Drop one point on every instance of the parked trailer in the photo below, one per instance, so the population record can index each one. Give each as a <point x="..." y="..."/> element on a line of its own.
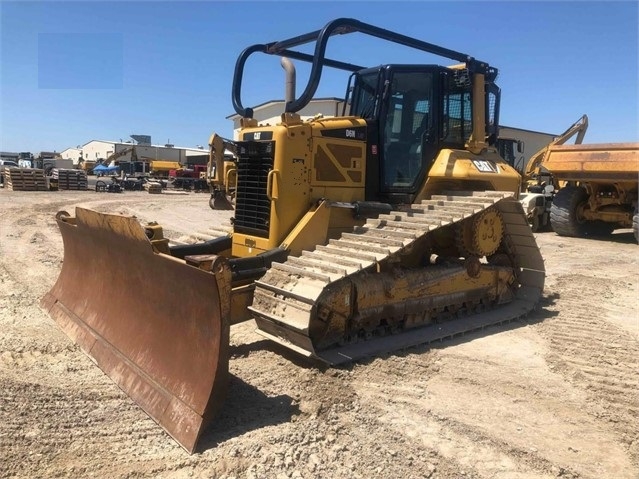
<point x="600" y="194"/>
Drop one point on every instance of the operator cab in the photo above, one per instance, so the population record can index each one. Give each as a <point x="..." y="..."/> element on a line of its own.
<point x="413" y="111"/>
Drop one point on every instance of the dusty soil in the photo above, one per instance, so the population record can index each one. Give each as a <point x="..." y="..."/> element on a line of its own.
<point x="553" y="396"/>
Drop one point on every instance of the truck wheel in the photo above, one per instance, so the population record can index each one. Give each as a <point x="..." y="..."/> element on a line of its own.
<point x="535" y="223"/>
<point x="635" y="226"/>
<point x="546" y="221"/>
<point x="564" y="215"/>
<point x="563" y="212"/>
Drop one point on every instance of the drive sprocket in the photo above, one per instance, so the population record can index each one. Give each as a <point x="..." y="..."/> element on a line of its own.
<point x="481" y="235"/>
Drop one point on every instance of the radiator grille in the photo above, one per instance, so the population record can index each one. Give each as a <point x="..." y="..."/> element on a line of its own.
<point x="252" y="206"/>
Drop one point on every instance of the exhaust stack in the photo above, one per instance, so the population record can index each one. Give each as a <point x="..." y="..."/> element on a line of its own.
<point x="289" y="68"/>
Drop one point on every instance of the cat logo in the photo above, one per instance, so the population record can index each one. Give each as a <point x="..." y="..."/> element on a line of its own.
<point x="485" y="166"/>
<point x="256" y="135"/>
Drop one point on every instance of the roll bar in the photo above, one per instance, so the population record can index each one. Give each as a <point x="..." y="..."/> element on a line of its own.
<point x="318" y="60"/>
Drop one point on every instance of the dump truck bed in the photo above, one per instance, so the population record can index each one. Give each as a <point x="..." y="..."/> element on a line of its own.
<point x="601" y="162"/>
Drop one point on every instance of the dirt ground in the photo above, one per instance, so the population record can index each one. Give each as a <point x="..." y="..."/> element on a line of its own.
<point x="554" y="396"/>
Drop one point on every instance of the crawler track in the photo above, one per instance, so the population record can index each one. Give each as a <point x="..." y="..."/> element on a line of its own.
<point x="291" y="300"/>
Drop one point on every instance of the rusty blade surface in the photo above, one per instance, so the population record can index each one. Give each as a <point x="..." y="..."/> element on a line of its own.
<point x="157" y="327"/>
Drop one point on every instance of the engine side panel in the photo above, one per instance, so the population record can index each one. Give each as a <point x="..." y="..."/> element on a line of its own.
<point x="284" y="171"/>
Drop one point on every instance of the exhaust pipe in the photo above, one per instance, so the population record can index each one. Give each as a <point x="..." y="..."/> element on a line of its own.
<point x="289" y="68"/>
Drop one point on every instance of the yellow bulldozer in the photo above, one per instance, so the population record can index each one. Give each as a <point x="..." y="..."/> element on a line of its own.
<point x="394" y="224"/>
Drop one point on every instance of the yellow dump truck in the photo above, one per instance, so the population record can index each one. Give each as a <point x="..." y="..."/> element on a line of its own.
<point x="600" y="192"/>
<point x="539" y="188"/>
<point x="164" y="167"/>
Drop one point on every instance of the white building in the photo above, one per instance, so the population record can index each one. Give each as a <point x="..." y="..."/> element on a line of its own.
<point x="95" y="150"/>
<point x="72" y="154"/>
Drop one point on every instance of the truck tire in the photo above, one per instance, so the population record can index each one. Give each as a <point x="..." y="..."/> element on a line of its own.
<point x="535" y="223"/>
<point x="635" y="226"/>
<point x="545" y="224"/>
<point x="565" y="220"/>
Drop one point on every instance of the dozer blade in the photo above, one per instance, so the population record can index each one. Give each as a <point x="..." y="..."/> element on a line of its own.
<point x="155" y="325"/>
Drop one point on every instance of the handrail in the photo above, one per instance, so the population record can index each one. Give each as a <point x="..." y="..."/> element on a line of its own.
<point x="339" y="26"/>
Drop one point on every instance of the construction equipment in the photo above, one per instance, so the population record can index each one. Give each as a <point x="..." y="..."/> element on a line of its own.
<point x="48" y="160"/>
<point x="87" y="165"/>
<point x="395" y="225"/>
<point x="539" y="186"/>
<point x="582" y="189"/>
<point x="163" y="168"/>
<point x="600" y="192"/>
<point x="25" y="159"/>
<point x="221" y="172"/>
<point x="190" y="178"/>
<point x="115" y="157"/>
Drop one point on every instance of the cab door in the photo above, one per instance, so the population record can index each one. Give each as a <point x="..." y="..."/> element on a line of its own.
<point x="408" y="131"/>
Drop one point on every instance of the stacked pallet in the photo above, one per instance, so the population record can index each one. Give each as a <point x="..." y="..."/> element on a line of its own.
<point x="25" y="179"/>
<point x="68" y="179"/>
<point x="153" y="187"/>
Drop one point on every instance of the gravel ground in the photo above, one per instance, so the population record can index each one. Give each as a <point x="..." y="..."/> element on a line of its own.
<point x="554" y="396"/>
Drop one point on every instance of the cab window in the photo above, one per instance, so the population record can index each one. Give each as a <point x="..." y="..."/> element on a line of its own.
<point x="407" y="125"/>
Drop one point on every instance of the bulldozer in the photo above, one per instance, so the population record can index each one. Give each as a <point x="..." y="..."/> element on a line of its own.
<point x="393" y="225"/>
<point x="221" y="172"/>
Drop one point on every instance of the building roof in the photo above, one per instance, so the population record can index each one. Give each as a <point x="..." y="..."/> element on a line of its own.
<point x="131" y="143"/>
<point x="261" y="106"/>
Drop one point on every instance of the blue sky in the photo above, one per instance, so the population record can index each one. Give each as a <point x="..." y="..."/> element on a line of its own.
<point x="75" y="71"/>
